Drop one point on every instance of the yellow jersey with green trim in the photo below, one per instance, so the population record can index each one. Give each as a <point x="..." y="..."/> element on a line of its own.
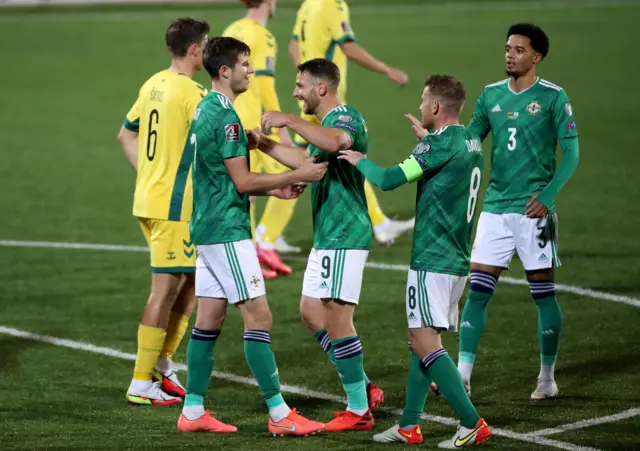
<point x="321" y="27"/>
<point x="161" y="116"/>
<point x="263" y="47"/>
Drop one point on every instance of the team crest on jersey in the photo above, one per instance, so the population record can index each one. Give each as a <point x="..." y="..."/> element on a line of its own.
<point x="568" y="109"/>
<point x="421" y="148"/>
<point x="232" y="132"/>
<point x="255" y="281"/>
<point x="533" y="108"/>
<point x="345" y="118"/>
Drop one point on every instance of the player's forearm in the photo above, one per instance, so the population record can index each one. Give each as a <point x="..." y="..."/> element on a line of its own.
<point x="330" y="140"/>
<point x="360" y="56"/>
<point x="294" y="53"/>
<point x="129" y="143"/>
<point x="566" y="168"/>
<point x="257" y="184"/>
<point x="291" y="156"/>
<point x="383" y="178"/>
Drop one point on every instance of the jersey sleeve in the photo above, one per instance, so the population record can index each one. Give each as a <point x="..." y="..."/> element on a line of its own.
<point x="353" y="126"/>
<point x="429" y="156"/>
<point x="265" y="58"/>
<point x="339" y="25"/>
<point x="132" y="119"/>
<point x="230" y="135"/>
<point x="480" y="125"/>
<point x="297" y="28"/>
<point x="563" y="119"/>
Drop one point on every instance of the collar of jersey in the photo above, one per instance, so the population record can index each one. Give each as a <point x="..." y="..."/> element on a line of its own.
<point x="218" y="92"/>
<point x="441" y="129"/>
<point x="525" y="90"/>
<point x="344" y="104"/>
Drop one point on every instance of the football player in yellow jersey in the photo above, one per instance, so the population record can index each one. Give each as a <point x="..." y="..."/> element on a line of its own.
<point x="260" y="97"/>
<point x="153" y="138"/>
<point x="323" y="30"/>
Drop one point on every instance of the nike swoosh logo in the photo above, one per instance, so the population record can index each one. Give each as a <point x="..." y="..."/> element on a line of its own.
<point x="404" y="434"/>
<point x="459" y="443"/>
<point x="291" y="429"/>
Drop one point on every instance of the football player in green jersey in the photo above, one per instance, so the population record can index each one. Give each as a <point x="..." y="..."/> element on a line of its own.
<point x="227" y="268"/>
<point x="528" y="117"/>
<point x="448" y="166"/>
<point x="342" y="233"/>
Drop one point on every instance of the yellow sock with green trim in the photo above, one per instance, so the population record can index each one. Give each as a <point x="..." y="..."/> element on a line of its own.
<point x="150" y="343"/>
<point x="176" y="329"/>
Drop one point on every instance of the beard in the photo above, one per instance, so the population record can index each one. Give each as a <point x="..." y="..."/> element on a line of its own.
<point x="309" y="106"/>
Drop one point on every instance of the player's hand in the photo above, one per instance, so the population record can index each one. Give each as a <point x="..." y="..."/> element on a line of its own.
<point x="398" y="76"/>
<point x="310" y="171"/>
<point x="253" y="137"/>
<point x="271" y="119"/>
<point x="536" y="209"/>
<point x="292" y="191"/>
<point x="351" y="156"/>
<point x="417" y="127"/>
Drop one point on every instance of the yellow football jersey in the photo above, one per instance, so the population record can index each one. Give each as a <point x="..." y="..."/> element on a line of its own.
<point x="162" y="116"/>
<point x="321" y="26"/>
<point x="250" y="104"/>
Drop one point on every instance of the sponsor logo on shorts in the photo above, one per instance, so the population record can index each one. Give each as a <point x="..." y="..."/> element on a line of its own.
<point x="543" y="258"/>
<point x="412" y="315"/>
<point x="323" y="285"/>
<point x="171" y="255"/>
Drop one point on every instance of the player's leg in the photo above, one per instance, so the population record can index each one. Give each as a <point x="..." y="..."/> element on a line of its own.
<point x="180" y="312"/>
<point x="317" y="285"/>
<point x="538" y="250"/>
<point x="385" y="230"/>
<point x="492" y="251"/>
<point x="167" y="272"/>
<point x="244" y="287"/>
<point x="212" y="310"/>
<point x="435" y="302"/>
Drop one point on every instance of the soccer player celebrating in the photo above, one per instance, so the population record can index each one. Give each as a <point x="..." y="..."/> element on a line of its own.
<point x="322" y="30"/>
<point x="153" y="138"/>
<point x="448" y="164"/>
<point x="527" y="117"/>
<point x="342" y="232"/>
<point x="227" y="268"/>
<point x="260" y="97"/>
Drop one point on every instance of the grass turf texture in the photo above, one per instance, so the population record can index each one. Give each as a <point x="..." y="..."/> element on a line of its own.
<point x="72" y="74"/>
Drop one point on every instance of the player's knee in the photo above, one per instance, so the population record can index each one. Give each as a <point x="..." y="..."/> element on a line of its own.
<point x="482" y="282"/>
<point x="312" y="315"/>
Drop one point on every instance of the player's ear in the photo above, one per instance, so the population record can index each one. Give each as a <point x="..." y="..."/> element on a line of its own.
<point x="193" y="49"/>
<point x="322" y="88"/>
<point x="537" y="58"/>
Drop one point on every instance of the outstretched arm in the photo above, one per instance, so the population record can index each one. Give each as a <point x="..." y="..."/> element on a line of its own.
<point x="330" y="140"/>
<point x="291" y="156"/>
<point x="384" y="178"/>
<point x="357" y="54"/>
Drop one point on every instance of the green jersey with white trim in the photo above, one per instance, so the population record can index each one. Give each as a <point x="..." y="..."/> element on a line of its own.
<point x="220" y="212"/>
<point x="526" y="127"/>
<point x="451" y="164"/>
<point x="339" y="205"/>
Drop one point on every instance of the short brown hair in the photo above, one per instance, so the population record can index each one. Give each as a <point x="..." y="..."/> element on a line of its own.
<point x="323" y="69"/>
<point x="183" y="33"/>
<point x="448" y="90"/>
<point x="222" y="51"/>
<point x="253" y="3"/>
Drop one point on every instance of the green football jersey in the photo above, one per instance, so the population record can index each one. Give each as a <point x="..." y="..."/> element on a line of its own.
<point x="220" y="212"/>
<point x="451" y="161"/>
<point x="339" y="205"/>
<point x="526" y="127"/>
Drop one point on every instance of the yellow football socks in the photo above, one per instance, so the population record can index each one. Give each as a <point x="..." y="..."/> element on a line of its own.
<point x="276" y="216"/>
<point x="375" y="213"/>
<point x="176" y="329"/>
<point x="150" y="343"/>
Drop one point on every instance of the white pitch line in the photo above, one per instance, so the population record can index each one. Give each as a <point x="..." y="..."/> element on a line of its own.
<point x="581" y="291"/>
<point x="587" y="423"/>
<point x="109" y="352"/>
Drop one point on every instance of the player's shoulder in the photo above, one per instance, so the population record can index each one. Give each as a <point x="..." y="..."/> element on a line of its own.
<point x="496" y="86"/>
<point x="551" y="89"/>
<point x="347" y="115"/>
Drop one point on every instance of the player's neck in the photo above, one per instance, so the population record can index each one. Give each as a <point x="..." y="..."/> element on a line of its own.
<point x="181" y="66"/>
<point x="219" y="87"/>
<point x="519" y="84"/>
<point x="445" y="121"/>
<point x="328" y="105"/>
<point x="259" y="15"/>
